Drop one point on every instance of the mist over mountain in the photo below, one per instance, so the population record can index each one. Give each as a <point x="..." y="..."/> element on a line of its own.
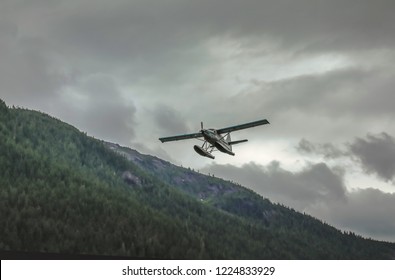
<point x="62" y="191"/>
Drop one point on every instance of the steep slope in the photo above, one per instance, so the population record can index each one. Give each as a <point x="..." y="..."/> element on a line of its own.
<point x="234" y="199"/>
<point x="64" y="192"/>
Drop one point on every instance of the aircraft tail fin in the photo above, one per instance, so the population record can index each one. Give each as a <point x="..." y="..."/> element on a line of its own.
<point x="228" y="140"/>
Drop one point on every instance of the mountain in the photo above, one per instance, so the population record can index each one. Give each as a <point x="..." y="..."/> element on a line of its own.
<point x="62" y="191"/>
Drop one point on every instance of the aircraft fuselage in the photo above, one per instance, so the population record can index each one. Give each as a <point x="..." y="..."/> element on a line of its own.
<point x="215" y="139"/>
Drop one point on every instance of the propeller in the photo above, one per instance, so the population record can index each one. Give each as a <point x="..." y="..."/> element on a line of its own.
<point x="201" y="125"/>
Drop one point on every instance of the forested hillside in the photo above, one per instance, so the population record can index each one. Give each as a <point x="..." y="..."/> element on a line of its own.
<point x="64" y="192"/>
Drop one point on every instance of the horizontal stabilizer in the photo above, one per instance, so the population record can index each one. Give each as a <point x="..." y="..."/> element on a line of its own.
<point x="237" y="142"/>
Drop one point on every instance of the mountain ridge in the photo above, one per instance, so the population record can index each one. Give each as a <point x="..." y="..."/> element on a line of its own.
<point x="66" y="192"/>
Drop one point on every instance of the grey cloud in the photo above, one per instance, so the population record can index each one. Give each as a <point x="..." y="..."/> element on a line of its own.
<point x="301" y="190"/>
<point x="330" y="105"/>
<point x="369" y="212"/>
<point x="327" y="150"/>
<point x="142" y="41"/>
<point x="376" y="154"/>
<point x="337" y="93"/>
<point x="324" y="24"/>
<point x="306" y="24"/>
<point x="306" y="147"/>
<point x="27" y="73"/>
<point x="154" y="40"/>
<point x="319" y="191"/>
<point x="101" y="110"/>
<point x="155" y="47"/>
<point x="155" y="31"/>
<point x="169" y="120"/>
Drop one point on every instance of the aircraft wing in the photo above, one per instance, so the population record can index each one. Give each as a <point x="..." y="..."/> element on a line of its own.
<point x="242" y="126"/>
<point x="181" y="137"/>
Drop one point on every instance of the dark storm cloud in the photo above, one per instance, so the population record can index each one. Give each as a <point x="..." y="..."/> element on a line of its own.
<point x="157" y="42"/>
<point x="27" y="75"/>
<point x="320" y="191"/>
<point x="101" y="110"/>
<point x="375" y="208"/>
<point x="304" y="25"/>
<point x="376" y="154"/>
<point x="153" y="47"/>
<point x="143" y="39"/>
<point x="337" y="93"/>
<point x="314" y="184"/>
<point x="328" y="150"/>
<point x="330" y="105"/>
<point x="169" y="120"/>
<point x="368" y="212"/>
<point x="323" y="24"/>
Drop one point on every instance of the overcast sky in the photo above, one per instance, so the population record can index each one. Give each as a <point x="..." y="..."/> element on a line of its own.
<point x="131" y="71"/>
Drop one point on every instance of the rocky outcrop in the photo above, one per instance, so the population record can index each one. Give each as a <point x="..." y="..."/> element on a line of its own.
<point x="130" y="179"/>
